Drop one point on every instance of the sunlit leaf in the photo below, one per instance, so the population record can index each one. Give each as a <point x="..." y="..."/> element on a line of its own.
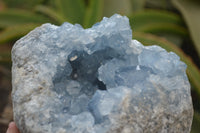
<point x="15" y="32"/>
<point x="51" y="13"/>
<point x="111" y="7"/>
<point x="190" y="10"/>
<point x="93" y="13"/>
<point x="163" y="28"/>
<point x="137" y="5"/>
<point x="72" y="10"/>
<point x="22" y="3"/>
<point x="139" y="19"/>
<point x="192" y="70"/>
<point x="159" y="4"/>
<point x="14" y="17"/>
<point x="159" y="22"/>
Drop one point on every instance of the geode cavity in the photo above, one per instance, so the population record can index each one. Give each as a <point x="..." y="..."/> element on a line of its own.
<point x="67" y="79"/>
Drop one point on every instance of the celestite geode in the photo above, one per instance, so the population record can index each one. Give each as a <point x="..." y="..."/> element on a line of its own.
<point x="67" y="79"/>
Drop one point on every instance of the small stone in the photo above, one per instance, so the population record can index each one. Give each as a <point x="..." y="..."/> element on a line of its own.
<point x="67" y="79"/>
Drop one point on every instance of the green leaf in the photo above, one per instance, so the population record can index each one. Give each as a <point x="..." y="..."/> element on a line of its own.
<point x="22" y="3"/>
<point x="51" y="13"/>
<point x="170" y="28"/>
<point x="159" y="4"/>
<point x="196" y="123"/>
<point x="12" y="17"/>
<point x="139" y="19"/>
<point x="72" y="10"/>
<point x="111" y="7"/>
<point x="14" y="32"/>
<point x="137" y="5"/>
<point x="190" y="10"/>
<point x="192" y="70"/>
<point x="93" y="13"/>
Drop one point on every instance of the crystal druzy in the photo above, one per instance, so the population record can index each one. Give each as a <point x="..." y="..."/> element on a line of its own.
<point x="67" y="79"/>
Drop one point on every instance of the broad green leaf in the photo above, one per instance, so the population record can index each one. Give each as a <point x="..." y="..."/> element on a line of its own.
<point x="196" y="123"/>
<point x="14" y="32"/>
<point x="93" y="12"/>
<point x="111" y="7"/>
<point x="139" y="19"/>
<point x="72" y="10"/>
<point x="12" y="17"/>
<point x="22" y="3"/>
<point x="159" y="4"/>
<point x="192" y="70"/>
<point x="190" y="10"/>
<point x="163" y="28"/>
<point x="137" y="5"/>
<point x="51" y="13"/>
<point x="174" y="38"/>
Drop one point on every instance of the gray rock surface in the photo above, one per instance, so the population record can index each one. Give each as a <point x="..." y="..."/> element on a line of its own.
<point x="67" y="79"/>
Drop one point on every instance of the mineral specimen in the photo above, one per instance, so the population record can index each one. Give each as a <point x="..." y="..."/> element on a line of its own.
<point x="72" y="80"/>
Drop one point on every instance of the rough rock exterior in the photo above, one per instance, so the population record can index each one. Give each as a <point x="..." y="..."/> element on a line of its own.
<point x="72" y="80"/>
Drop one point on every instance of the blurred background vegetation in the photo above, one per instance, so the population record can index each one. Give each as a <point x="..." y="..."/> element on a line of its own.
<point x="171" y="24"/>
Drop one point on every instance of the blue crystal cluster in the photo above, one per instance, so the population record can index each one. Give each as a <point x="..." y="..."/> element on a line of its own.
<point x="72" y="80"/>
